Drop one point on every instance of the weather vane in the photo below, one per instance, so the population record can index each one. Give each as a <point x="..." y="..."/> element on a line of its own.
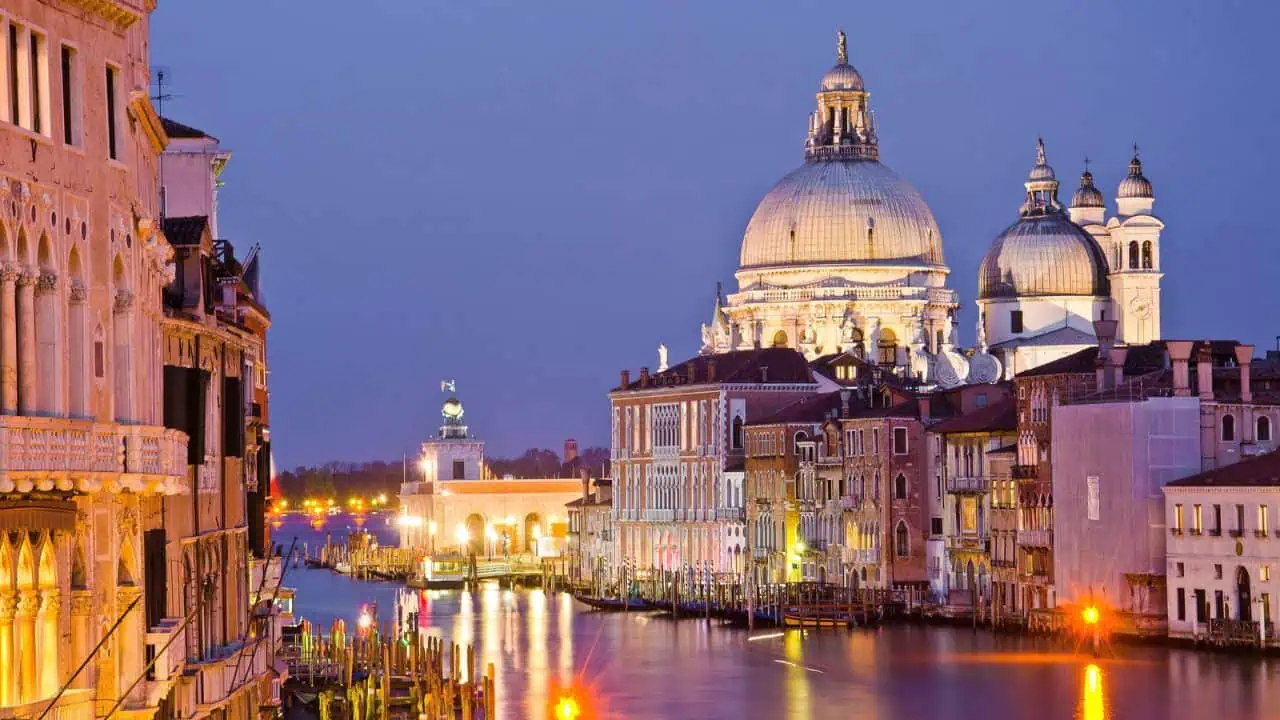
<point x="450" y="385"/>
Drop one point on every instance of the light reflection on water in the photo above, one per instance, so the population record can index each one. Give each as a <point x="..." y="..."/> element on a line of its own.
<point x="647" y="667"/>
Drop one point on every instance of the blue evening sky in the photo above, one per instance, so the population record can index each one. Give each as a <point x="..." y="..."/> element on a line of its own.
<point x="529" y="196"/>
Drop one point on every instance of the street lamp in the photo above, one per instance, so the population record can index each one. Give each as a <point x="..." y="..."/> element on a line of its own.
<point x="463" y="537"/>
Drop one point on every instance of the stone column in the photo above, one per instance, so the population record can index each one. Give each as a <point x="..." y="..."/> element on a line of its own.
<point x="8" y="658"/>
<point x="50" y="602"/>
<point x="27" y="342"/>
<point x="81" y="642"/>
<point x="8" y="340"/>
<point x="25" y="622"/>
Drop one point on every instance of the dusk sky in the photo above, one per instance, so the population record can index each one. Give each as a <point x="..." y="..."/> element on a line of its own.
<point x="528" y="197"/>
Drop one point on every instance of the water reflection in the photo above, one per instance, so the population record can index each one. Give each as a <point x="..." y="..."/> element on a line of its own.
<point x="642" y="666"/>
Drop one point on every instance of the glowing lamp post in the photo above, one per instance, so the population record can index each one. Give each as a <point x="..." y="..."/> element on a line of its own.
<point x="567" y="709"/>
<point x="463" y="537"/>
<point x="1091" y="617"/>
<point x="491" y="538"/>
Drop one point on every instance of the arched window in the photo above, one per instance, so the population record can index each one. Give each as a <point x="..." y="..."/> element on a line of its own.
<point x="1133" y="255"/>
<point x="900" y="540"/>
<point x="888" y="348"/>
<point x="900" y="487"/>
<point x="1264" y="429"/>
<point x="1228" y="428"/>
<point x="736" y="439"/>
<point x="875" y="485"/>
<point x="799" y="438"/>
<point x="1147" y="262"/>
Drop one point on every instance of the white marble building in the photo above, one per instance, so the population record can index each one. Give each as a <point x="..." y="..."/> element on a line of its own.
<point x="1223" y="550"/>
<point x="1054" y="271"/>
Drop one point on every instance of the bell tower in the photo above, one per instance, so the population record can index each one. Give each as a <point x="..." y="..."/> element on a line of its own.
<point x="1135" y="272"/>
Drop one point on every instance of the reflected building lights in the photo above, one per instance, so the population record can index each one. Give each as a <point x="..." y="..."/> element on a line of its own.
<point x="797" y="681"/>
<point x="1093" y="703"/>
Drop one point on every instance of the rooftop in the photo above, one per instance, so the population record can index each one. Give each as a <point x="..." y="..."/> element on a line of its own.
<point x="768" y="366"/>
<point x="1002" y="416"/>
<point x="1260" y="471"/>
<point x="175" y="129"/>
<point x="185" y="230"/>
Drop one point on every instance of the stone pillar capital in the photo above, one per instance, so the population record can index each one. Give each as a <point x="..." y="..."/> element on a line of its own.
<point x="27" y="277"/>
<point x="9" y="273"/>
<point x="28" y="603"/>
<point x="124" y="300"/>
<point x="50" y="601"/>
<point x="79" y="291"/>
<point x="81" y="603"/>
<point x="46" y="282"/>
<point x="8" y="607"/>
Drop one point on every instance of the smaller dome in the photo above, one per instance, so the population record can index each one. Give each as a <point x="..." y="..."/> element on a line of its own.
<point x="1043" y="255"/>
<point x="1041" y="171"/>
<point x="842" y="76"/>
<point x="1087" y="196"/>
<point x="452" y="409"/>
<point x="1135" y="185"/>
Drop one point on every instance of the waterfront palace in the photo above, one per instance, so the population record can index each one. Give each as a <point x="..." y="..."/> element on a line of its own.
<point x="134" y="446"/>
<point x="832" y="430"/>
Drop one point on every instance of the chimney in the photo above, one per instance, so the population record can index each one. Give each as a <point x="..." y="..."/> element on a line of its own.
<point x="1204" y="371"/>
<point x="1244" y="358"/>
<point x="586" y="484"/>
<point x="644" y="377"/>
<point x="1118" y="356"/>
<point x="1105" y="330"/>
<point x="693" y="372"/>
<point x="925" y="402"/>
<point x="711" y="370"/>
<point x="1102" y="378"/>
<point x="626" y="379"/>
<point x="844" y="403"/>
<point x="1180" y="356"/>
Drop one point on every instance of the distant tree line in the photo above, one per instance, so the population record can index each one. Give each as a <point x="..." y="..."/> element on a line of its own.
<point x="344" y="480"/>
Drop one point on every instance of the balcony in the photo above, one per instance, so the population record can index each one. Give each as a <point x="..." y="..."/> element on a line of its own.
<point x="761" y="553"/>
<point x="1025" y="472"/>
<point x="73" y="705"/>
<point x="420" y="487"/>
<point x="848" y="502"/>
<point x="170" y="662"/>
<point x="969" y="543"/>
<point x="968" y="484"/>
<point x="40" y="453"/>
<point x="1035" y="538"/>
<point x="731" y="514"/>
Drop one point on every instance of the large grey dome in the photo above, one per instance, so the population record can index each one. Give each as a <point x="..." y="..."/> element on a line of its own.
<point x="847" y="211"/>
<point x="1043" y="255"/>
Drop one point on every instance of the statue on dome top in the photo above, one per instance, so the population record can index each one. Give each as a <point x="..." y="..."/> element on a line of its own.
<point x="842" y="48"/>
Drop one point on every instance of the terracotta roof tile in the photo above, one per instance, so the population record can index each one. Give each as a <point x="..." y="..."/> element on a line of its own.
<point x="1001" y="416"/>
<point x="1260" y="471"/>
<point x="773" y="366"/>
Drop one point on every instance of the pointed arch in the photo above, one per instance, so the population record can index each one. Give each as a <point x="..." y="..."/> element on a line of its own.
<point x="45" y="261"/>
<point x="47" y="569"/>
<point x="49" y="356"/>
<point x="1133" y="254"/>
<point x="6" y="564"/>
<point x="79" y="569"/>
<point x="26" y="569"/>
<point x="77" y="337"/>
<point x="127" y="565"/>
<point x="900" y="487"/>
<point x="121" y="335"/>
<point x="22" y="254"/>
<point x="6" y="252"/>
<point x="901" y="540"/>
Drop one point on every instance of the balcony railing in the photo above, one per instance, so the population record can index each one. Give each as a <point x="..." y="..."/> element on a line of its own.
<point x="170" y="661"/>
<point x="32" y="448"/>
<point x="1025" y="472"/>
<point x="968" y="484"/>
<point x="974" y="543"/>
<point x="1035" y="538"/>
<point x="73" y="705"/>
<point x="761" y="553"/>
<point x="733" y="514"/>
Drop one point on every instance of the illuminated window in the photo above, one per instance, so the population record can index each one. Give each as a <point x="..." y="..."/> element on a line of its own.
<point x="1197" y="519"/>
<point x="1264" y="525"/>
<point x="1264" y="573"/>
<point x="1177" y="517"/>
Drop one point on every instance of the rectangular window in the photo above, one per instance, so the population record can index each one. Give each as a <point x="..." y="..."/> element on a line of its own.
<point x="1218" y="609"/>
<point x="1015" y="321"/>
<point x="459" y="470"/>
<point x="1264" y="573"/>
<point x="1239" y="520"/>
<point x="37" y="54"/>
<point x="99" y="360"/>
<point x="899" y="441"/>
<point x="70" y="135"/>
<point x="12" y="58"/>
<point x="875" y="441"/>
<point x="1180" y="570"/>
<point x="1217" y="520"/>
<point x="113" y="141"/>
<point x="1264" y="524"/>
<point x="1201" y="606"/>
<point x="935" y="525"/>
<point x="1197" y="519"/>
<point x="1182" y="604"/>
<point x="1177" y="517"/>
<point x="1095" y="499"/>
<point x="1217" y="571"/>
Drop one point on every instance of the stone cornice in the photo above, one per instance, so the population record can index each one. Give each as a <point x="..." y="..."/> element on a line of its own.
<point x="117" y="12"/>
<point x="149" y="119"/>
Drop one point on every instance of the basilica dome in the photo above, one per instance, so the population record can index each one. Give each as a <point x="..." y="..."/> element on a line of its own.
<point x="1044" y="252"/>
<point x="842" y="211"/>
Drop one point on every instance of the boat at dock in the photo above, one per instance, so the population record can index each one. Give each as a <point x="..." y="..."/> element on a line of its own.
<point x="614" y="604"/>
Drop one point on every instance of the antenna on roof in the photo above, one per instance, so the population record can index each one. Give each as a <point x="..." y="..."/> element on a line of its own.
<point x="162" y="73"/>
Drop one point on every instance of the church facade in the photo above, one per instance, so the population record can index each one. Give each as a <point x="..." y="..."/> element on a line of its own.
<point x="843" y="255"/>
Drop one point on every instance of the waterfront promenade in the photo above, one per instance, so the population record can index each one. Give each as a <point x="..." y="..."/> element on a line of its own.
<point x="640" y="665"/>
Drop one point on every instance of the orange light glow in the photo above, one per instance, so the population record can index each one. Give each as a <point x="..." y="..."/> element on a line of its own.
<point x="1090" y="615"/>
<point x="567" y="709"/>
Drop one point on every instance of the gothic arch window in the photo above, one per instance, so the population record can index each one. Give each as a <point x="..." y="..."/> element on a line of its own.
<point x="1147" y="260"/>
<point x="1263" y="433"/>
<point x="736" y="439"/>
<point x="900" y="487"/>
<point x="1228" y="428"/>
<point x="900" y="540"/>
<point x="1133" y="255"/>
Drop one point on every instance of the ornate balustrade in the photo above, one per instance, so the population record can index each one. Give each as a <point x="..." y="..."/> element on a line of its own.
<point x="46" y="454"/>
<point x="1035" y="538"/>
<point x="73" y="705"/>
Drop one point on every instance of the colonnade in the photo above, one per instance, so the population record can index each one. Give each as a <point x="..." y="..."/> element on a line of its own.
<point x="30" y="617"/>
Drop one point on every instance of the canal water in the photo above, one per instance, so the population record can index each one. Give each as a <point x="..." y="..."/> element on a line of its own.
<point x="641" y="666"/>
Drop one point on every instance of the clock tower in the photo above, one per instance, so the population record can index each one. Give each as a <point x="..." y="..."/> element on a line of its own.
<point x="1135" y="259"/>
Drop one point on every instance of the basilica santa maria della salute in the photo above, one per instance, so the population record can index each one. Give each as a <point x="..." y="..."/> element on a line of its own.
<point x="843" y="255"/>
